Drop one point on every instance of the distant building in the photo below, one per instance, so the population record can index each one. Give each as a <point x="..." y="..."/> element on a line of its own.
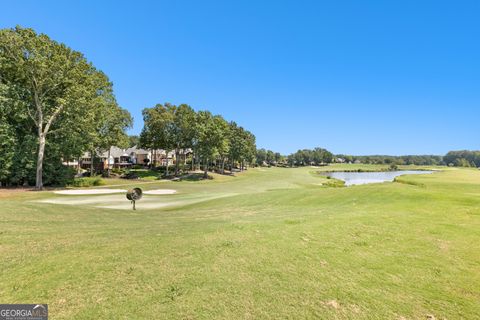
<point x="125" y="158"/>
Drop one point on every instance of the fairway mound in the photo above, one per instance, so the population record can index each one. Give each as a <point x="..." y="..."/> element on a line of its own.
<point x="160" y="191"/>
<point x="90" y="191"/>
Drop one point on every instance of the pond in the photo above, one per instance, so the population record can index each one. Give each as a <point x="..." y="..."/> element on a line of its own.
<point x="356" y="178"/>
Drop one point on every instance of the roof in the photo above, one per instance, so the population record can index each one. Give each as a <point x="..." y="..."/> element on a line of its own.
<point x="116" y="152"/>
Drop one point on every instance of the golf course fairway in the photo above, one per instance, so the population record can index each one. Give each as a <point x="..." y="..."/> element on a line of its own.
<point x="268" y="243"/>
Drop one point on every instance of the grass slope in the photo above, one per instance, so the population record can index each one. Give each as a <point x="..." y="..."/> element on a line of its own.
<point x="280" y="245"/>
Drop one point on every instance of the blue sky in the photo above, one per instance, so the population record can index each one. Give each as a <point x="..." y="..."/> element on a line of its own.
<point x="355" y="77"/>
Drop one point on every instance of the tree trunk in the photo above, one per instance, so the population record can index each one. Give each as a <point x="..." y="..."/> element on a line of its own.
<point x="41" y="152"/>
<point x="154" y="162"/>
<point x="205" y="167"/>
<point x="166" y="164"/>
<point x="223" y="165"/>
<point x="193" y="161"/>
<point x="108" y="163"/>
<point x="91" y="162"/>
<point x="177" y="154"/>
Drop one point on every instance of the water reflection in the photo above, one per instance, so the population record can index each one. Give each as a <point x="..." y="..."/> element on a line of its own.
<point x="356" y="178"/>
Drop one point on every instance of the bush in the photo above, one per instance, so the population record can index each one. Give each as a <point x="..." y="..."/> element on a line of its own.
<point x="393" y="167"/>
<point x="137" y="166"/>
<point x="131" y="175"/>
<point x="117" y="171"/>
<point x="62" y="176"/>
<point x="87" y="182"/>
<point x="335" y="183"/>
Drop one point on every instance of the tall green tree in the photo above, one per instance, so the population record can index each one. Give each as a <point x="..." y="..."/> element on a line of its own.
<point x="224" y="141"/>
<point x="7" y="144"/>
<point x="210" y="136"/>
<point x="58" y="88"/>
<point x="242" y="146"/>
<point x="182" y="131"/>
<point x="133" y="140"/>
<point x="112" y="124"/>
<point x="237" y="143"/>
<point x="157" y="130"/>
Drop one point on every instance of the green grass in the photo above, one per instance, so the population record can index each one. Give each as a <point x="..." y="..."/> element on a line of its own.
<point x="88" y="182"/>
<point x="278" y="245"/>
<point x="146" y="174"/>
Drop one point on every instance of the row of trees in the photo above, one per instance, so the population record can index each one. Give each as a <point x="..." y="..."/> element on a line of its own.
<point x="305" y="157"/>
<point x="398" y="160"/>
<point x="54" y="105"/>
<point x="317" y="156"/>
<point x="211" y="138"/>
<point x="463" y="158"/>
<point x="269" y="157"/>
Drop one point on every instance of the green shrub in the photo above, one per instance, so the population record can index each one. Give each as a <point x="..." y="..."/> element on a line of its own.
<point x="335" y="183"/>
<point x="118" y="171"/>
<point x="87" y="182"/>
<point x="393" y="167"/>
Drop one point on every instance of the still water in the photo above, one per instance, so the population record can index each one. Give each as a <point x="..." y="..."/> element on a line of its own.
<point x="355" y="178"/>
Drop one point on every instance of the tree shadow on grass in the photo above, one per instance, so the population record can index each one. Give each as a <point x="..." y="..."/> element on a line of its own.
<point x="194" y="177"/>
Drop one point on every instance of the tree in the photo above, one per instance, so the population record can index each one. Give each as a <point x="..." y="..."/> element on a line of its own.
<point x="236" y="143"/>
<point x="7" y="146"/>
<point x="242" y="145"/>
<point x="278" y="157"/>
<point x="261" y="156"/>
<point x="223" y="147"/>
<point x="133" y="140"/>
<point x="111" y="130"/>
<point x="248" y="154"/>
<point x="304" y="157"/>
<point x="210" y="137"/>
<point x="54" y="85"/>
<point x="157" y="130"/>
<point x="183" y="130"/>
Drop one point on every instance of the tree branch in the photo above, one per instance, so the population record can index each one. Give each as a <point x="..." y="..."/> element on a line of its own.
<point x="52" y="118"/>
<point x="38" y="104"/>
<point x="55" y="130"/>
<point x="32" y="117"/>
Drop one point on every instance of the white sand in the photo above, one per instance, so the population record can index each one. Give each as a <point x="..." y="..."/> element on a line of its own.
<point x="91" y="191"/>
<point x="119" y="201"/>
<point x="79" y="200"/>
<point x="160" y="191"/>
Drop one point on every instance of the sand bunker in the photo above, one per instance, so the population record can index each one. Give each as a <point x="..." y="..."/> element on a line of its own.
<point x="160" y="191"/>
<point x="90" y="191"/>
<point x="119" y="201"/>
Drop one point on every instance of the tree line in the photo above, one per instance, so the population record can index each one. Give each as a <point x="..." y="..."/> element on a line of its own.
<point x="212" y="140"/>
<point x="420" y="160"/>
<point x="304" y="157"/>
<point x="462" y="158"/>
<point x="319" y="156"/>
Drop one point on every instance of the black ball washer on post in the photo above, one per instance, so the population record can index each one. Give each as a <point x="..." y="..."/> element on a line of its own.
<point x="134" y="195"/>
